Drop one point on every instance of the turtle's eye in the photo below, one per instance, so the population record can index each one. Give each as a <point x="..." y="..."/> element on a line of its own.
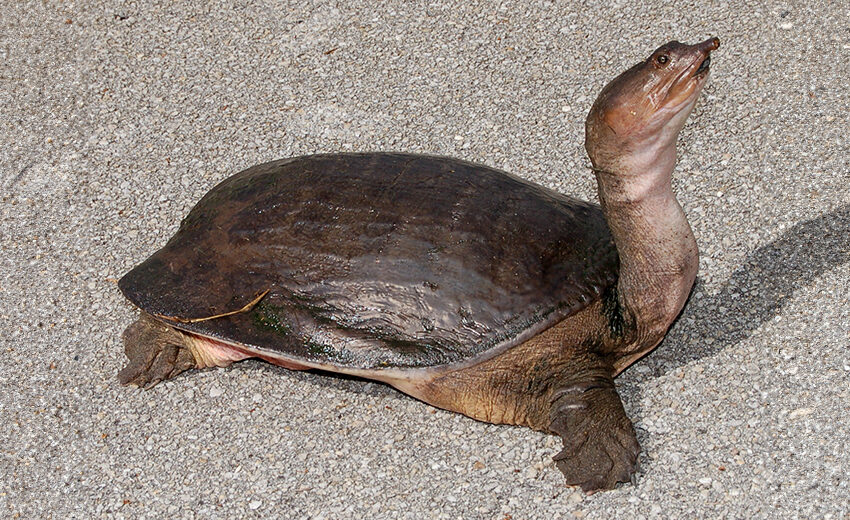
<point x="662" y="59"/>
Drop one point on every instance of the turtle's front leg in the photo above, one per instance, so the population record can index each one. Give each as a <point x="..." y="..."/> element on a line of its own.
<point x="600" y="448"/>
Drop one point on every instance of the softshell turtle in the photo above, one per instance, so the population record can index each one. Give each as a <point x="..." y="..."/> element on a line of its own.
<point x="458" y="284"/>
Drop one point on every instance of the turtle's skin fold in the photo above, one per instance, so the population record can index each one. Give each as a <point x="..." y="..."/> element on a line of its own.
<point x="458" y="284"/>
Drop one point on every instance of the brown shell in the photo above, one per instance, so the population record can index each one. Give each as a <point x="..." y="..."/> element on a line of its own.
<point x="378" y="260"/>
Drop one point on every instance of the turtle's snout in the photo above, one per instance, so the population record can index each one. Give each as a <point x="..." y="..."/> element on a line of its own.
<point x="706" y="47"/>
<point x="710" y="44"/>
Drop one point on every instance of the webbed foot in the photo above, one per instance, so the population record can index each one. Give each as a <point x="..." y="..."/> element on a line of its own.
<point x="156" y="353"/>
<point x="600" y="448"/>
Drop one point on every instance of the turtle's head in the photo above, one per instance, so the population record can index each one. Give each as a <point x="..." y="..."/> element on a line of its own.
<point x="634" y="122"/>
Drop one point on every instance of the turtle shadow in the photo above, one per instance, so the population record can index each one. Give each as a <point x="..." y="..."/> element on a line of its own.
<point x="756" y="291"/>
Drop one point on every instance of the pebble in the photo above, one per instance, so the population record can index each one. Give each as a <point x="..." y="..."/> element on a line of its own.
<point x="800" y="412"/>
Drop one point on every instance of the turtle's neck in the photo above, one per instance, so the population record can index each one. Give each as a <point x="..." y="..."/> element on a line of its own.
<point x="657" y="249"/>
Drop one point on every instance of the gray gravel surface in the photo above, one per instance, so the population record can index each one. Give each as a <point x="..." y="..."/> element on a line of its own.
<point x="117" y="116"/>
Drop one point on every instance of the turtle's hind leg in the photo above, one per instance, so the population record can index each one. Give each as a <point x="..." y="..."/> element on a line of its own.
<point x="158" y="352"/>
<point x="600" y="447"/>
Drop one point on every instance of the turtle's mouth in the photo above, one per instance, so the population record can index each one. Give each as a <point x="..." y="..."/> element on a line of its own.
<point x="706" y="47"/>
<point x="703" y="67"/>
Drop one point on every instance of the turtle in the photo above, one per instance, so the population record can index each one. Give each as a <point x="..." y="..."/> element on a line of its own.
<point x="458" y="284"/>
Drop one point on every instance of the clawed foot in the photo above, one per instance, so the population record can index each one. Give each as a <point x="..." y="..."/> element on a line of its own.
<point x="600" y="448"/>
<point x="156" y="353"/>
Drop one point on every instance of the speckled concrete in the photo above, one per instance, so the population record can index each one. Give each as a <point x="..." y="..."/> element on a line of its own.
<point x="116" y="117"/>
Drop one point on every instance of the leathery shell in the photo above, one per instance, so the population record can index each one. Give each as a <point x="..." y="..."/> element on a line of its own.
<point x="377" y="260"/>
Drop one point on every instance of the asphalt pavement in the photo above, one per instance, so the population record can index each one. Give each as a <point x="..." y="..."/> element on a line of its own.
<point x="116" y="117"/>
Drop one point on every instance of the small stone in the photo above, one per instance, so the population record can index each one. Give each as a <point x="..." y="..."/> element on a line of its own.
<point x="800" y="412"/>
<point x="216" y="392"/>
<point x="255" y="504"/>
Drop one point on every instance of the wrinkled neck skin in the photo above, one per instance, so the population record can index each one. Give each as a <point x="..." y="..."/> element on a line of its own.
<point x="657" y="249"/>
